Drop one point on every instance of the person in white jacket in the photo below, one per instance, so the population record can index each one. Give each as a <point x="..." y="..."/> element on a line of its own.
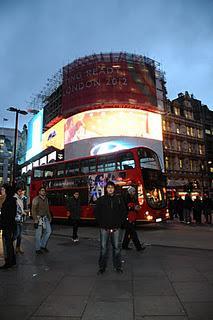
<point x="20" y="217"/>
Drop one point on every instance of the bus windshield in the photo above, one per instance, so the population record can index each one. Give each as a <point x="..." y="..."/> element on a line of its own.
<point x="155" y="188"/>
<point x="148" y="159"/>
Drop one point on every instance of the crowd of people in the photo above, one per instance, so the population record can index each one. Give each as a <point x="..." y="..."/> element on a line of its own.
<point x="115" y="214"/>
<point x="188" y="210"/>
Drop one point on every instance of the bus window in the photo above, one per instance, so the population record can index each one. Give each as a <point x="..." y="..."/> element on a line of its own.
<point x="38" y="173"/>
<point x="72" y="169"/>
<point x="49" y="172"/>
<point x="60" y="171"/>
<point x="106" y="164"/>
<point x="84" y="166"/>
<point x="148" y="159"/>
<point x="92" y="165"/>
<point x="125" y="161"/>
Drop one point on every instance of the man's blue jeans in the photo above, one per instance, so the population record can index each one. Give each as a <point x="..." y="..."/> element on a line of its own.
<point x="107" y="235"/>
<point x="42" y="235"/>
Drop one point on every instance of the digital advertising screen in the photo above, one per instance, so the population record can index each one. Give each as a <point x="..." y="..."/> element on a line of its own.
<point x="113" y="122"/>
<point x="108" y="80"/>
<point x="108" y="130"/>
<point x="34" y="137"/>
<point x="54" y="136"/>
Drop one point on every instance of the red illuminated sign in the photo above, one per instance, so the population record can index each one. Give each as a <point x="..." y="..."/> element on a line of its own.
<point x="101" y="80"/>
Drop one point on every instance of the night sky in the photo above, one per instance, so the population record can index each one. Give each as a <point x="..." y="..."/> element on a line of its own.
<point x="39" y="37"/>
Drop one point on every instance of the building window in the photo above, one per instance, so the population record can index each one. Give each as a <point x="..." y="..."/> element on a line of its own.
<point x="164" y="125"/>
<point x="187" y="131"/>
<point x="200" y="149"/>
<point x="190" y="147"/>
<point x="178" y="145"/>
<point x="192" y="131"/>
<point x="191" y="165"/>
<point x="178" y="128"/>
<point x="181" y="163"/>
<point x="199" y="133"/>
<point x="208" y="131"/>
<point x="167" y="163"/>
<point x="176" y="111"/>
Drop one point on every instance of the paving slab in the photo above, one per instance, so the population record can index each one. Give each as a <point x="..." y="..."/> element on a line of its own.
<point x="163" y="282"/>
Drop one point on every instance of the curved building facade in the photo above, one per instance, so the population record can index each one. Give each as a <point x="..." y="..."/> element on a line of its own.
<point x="112" y="102"/>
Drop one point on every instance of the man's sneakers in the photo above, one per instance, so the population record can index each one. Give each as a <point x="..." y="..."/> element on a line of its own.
<point x="75" y="240"/>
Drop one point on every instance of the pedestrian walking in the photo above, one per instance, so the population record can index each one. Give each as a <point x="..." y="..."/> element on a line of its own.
<point x="187" y="208"/>
<point x="8" y="226"/>
<point x="132" y="207"/>
<point x="207" y="209"/>
<point x="180" y="205"/>
<point x="2" y="195"/>
<point x="42" y="218"/>
<point x="20" y="218"/>
<point x="197" y="209"/>
<point x="110" y="213"/>
<point x="74" y="213"/>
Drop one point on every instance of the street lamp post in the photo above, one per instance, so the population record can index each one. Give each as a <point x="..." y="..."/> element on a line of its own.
<point x="17" y="111"/>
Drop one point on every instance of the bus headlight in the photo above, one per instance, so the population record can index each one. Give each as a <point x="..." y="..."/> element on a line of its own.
<point x="149" y="218"/>
<point x="167" y="213"/>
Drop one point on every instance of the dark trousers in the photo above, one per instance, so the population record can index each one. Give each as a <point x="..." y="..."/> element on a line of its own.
<point x="9" y="254"/>
<point x="105" y="236"/>
<point x="18" y="235"/>
<point x="208" y="215"/>
<point x="75" y="224"/>
<point x="197" y="215"/>
<point x="131" y="234"/>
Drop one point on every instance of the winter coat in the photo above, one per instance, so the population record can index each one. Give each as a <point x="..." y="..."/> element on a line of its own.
<point x="8" y="213"/>
<point x="110" y="211"/>
<point x="74" y="206"/>
<point x="188" y="203"/>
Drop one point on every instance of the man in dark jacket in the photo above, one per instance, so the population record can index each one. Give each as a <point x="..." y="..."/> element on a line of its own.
<point x="74" y="212"/>
<point x="8" y="226"/>
<point x="110" y="213"/>
<point x="187" y="208"/>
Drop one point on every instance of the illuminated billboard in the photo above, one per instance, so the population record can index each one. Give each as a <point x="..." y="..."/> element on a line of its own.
<point x="34" y="137"/>
<point x="109" y="79"/>
<point x="54" y="136"/>
<point x="107" y="130"/>
<point x="113" y="122"/>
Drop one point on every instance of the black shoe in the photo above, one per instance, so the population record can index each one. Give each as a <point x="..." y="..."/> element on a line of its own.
<point x="119" y="270"/>
<point x="6" y="266"/>
<point x="44" y="249"/>
<point x="101" y="271"/>
<point x="126" y="248"/>
<point x="39" y="252"/>
<point x="141" y="248"/>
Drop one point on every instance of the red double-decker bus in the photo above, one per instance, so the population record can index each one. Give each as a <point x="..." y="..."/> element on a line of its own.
<point x="138" y="167"/>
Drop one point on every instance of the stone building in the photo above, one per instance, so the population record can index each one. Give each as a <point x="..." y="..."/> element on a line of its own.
<point x="185" y="144"/>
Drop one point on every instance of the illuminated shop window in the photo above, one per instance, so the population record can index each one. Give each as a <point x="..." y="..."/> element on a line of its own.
<point x="178" y="129"/>
<point x="181" y="163"/>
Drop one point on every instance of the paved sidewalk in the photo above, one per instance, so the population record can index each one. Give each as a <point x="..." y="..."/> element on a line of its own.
<point x="161" y="283"/>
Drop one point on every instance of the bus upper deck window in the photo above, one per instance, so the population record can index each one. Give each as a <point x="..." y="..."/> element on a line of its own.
<point x="125" y="161"/>
<point x="72" y="169"/>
